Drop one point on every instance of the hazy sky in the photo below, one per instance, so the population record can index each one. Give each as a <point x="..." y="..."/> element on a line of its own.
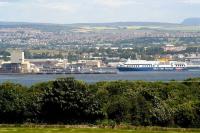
<point x="76" y="11"/>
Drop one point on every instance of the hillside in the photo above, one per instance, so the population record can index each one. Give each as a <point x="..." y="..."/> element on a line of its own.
<point x="191" y="21"/>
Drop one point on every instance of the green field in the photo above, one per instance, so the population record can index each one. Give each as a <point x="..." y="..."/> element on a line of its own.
<point x="89" y="130"/>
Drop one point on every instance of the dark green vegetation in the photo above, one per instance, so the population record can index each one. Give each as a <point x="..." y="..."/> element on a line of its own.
<point x="68" y="101"/>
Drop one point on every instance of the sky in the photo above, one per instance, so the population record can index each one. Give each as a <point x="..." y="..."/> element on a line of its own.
<point x="98" y="11"/>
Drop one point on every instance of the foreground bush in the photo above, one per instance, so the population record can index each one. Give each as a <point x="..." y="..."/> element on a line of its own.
<point x="68" y="101"/>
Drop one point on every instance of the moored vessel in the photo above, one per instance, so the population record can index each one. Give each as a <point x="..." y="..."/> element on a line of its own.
<point x="144" y="65"/>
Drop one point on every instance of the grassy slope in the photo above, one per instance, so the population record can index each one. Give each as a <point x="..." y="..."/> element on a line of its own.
<point x="91" y="130"/>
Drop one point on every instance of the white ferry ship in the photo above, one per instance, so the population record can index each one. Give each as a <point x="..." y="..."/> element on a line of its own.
<point x="144" y="65"/>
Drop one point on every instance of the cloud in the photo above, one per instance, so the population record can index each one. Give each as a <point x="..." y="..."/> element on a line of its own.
<point x="59" y="5"/>
<point x="190" y="1"/>
<point x="3" y="3"/>
<point x="8" y="1"/>
<point x="116" y="3"/>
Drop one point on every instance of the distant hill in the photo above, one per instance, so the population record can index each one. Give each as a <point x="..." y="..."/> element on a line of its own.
<point x="113" y="24"/>
<point x="191" y="21"/>
<point x="26" y="24"/>
<point x="40" y="26"/>
<point x="186" y="25"/>
<point x="68" y="27"/>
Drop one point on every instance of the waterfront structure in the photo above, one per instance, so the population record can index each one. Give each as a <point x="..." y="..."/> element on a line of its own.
<point x="173" y="48"/>
<point x="193" y="59"/>
<point x="11" y="68"/>
<point x="17" y="57"/>
<point x="17" y="64"/>
<point x="91" y="63"/>
<point x="44" y="62"/>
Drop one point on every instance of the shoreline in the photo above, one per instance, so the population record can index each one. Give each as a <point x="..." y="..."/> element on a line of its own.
<point x="98" y="73"/>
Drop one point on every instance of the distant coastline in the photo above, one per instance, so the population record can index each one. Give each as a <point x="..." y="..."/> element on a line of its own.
<point x="57" y="73"/>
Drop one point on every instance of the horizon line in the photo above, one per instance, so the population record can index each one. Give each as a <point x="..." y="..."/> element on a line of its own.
<point x="110" y="22"/>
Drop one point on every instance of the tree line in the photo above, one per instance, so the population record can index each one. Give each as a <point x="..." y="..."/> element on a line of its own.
<point x="70" y="101"/>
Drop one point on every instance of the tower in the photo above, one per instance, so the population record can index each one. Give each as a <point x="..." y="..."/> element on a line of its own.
<point x="17" y="57"/>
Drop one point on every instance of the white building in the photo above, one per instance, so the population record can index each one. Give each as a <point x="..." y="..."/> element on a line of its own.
<point x="17" y="57"/>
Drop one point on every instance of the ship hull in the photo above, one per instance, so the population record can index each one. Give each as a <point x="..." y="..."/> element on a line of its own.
<point x="130" y="69"/>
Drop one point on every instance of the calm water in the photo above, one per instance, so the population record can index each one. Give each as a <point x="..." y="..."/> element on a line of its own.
<point x="91" y="78"/>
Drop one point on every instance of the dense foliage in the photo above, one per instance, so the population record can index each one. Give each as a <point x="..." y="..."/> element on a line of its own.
<point x="68" y="101"/>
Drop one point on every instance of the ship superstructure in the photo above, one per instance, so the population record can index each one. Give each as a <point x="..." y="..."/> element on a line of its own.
<point x="144" y="65"/>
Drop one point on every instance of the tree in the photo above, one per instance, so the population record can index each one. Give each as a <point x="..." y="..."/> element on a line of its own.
<point x="69" y="101"/>
<point x="187" y="115"/>
<point x="148" y="109"/>
<point x="118" y="109"/>
<point x="12" y="103"/>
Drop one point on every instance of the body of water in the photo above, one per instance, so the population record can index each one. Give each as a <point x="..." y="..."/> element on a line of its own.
<point x="91" y="78"/>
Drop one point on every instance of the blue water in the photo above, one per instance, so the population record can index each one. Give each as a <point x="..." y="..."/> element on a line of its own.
<point x="91" y="78"/>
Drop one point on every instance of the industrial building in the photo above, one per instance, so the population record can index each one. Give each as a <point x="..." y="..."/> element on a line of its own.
<point x="17" y="64"/>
